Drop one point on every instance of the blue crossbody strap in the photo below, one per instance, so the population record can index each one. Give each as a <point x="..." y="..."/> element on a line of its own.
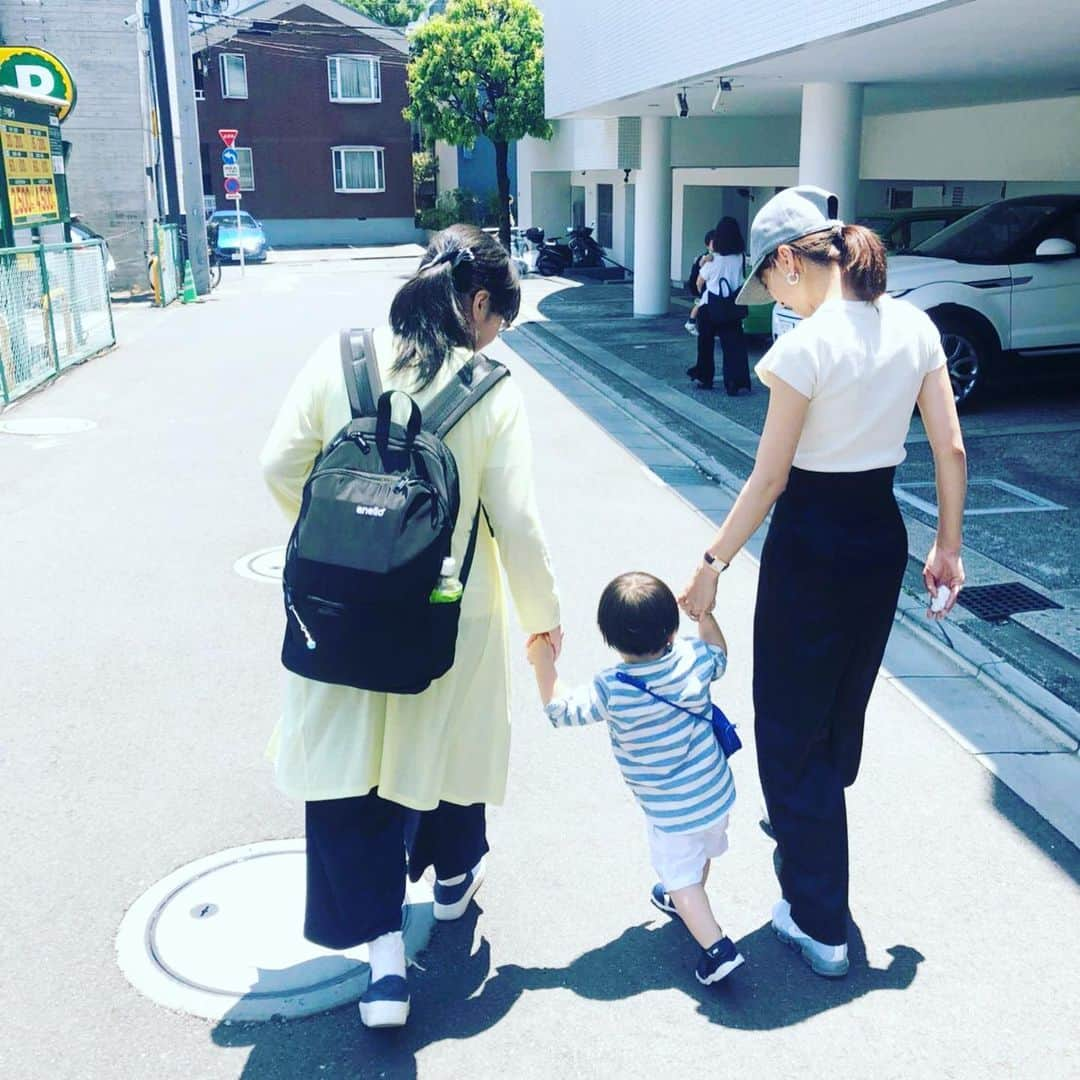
<point x="722" y="726"/>
<point x="639" y="684"/>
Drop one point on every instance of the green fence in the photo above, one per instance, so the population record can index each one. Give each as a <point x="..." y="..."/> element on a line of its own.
<point x="170" y="268"/>
<point x="54" y="311"/>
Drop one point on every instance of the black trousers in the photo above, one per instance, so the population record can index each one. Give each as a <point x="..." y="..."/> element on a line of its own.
<point x="736" y="366"/>
<point x="827" y="591"/>
<point x="358" y="853"/>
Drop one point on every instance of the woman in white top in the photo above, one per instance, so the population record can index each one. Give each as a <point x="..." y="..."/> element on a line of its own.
<point x="719" y="317"/>
<point x="842" y="387"/>
<point x="382" y="775"/>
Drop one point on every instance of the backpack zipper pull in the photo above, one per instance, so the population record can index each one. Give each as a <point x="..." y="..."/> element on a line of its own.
<point x="311" y="643"/>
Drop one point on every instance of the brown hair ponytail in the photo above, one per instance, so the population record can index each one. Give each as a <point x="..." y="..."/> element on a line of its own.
<point x="862" y="261"/>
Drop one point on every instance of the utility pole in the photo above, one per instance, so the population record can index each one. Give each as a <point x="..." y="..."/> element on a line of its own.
<point x="191" y="162"/>
<point x="164" y="108"/>
<point x="170" y="41"/>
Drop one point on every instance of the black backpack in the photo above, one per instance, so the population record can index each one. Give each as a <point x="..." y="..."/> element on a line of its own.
<point x="375" y="523"/>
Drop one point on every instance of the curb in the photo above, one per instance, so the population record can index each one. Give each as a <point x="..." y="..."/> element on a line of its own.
<point x="1056" y="718"/>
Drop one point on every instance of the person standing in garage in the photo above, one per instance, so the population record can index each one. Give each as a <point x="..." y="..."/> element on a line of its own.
<point x="842" y="386"/>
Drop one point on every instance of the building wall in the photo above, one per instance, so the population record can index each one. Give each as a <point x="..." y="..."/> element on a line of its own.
<point x="476" y="168"/>
<point x="734" y="141"/>
<point x="610" y="49"/>
<point x="291" y="125"/>
<point x="106" y="172"/>
<point x="1034" y="141"/>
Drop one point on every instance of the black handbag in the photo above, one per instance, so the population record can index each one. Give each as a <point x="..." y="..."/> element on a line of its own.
<point x="723" y="728"/>
<point x="722" y="306"/>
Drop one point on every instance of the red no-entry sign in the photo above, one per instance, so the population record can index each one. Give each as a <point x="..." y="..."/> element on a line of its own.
<point x="228" y="135"/>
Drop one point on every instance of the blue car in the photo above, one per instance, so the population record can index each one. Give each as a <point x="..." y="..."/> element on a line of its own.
<point x="226" y="239"/>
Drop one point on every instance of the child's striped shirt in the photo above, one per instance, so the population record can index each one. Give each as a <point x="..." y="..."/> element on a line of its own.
<point x="671" y="761"/>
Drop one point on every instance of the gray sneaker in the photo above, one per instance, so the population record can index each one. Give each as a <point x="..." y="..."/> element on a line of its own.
<point x="828" y="960"/>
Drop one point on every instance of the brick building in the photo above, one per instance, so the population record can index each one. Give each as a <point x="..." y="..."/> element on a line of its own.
<point x="316" y="91"/>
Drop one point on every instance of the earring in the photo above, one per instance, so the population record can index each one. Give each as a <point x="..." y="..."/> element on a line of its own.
<point x="792" y="277"/>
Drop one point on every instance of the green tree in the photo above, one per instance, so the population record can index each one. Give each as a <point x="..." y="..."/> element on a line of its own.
<point x="389" y="12"/>
<point x="479" y="70"/>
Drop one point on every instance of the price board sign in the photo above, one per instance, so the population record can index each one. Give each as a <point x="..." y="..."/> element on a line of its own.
<point x="28" y="173"/>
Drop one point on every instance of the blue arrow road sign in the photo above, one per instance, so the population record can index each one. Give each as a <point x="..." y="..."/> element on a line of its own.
<point x="229" y="156"/>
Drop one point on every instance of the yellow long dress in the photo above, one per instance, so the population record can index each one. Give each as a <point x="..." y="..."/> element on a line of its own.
<point x="452" y="741"/>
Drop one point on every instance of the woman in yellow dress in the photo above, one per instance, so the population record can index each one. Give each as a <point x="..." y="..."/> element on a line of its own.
<point x="396" y="783"/>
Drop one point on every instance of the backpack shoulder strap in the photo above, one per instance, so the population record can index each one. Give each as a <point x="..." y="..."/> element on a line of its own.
<point x="470" y="384"/>
<point x="361" y="368"/>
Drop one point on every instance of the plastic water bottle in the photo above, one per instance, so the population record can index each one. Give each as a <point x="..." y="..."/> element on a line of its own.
<point x="448" y="589"/>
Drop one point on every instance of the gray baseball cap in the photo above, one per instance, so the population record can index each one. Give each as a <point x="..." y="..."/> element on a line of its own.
<point x="791" y="215"/>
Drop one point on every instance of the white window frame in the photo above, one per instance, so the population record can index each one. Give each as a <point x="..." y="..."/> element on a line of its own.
<point x="240" y="151"/>
<point x="380" y="169"/>
<point x="224" y="71"/>
<point x="335" y="60"/>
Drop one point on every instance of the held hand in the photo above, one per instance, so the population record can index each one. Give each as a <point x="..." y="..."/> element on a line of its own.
<point x="699" y="596"/>
<point x="552" y="641"/>
<point x="540" y="651"/>
<point x="943" y="568"/>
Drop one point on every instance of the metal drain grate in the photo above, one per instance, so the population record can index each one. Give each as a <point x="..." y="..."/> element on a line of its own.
<point x="995" y="603"/>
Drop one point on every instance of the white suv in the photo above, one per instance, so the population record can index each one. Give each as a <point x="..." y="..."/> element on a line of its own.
<point x="1003" y="282"/>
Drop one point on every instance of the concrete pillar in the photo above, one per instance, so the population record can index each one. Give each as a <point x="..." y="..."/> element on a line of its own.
<point x="652" y="219"/>
<point x="830" y="140"/>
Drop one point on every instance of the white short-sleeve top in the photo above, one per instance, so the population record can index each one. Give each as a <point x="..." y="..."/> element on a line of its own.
<point x="728" y="267"/>
<point x="862" y="365"/>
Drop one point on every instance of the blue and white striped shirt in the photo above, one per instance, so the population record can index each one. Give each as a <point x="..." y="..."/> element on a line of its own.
<point x="671" y="761"/>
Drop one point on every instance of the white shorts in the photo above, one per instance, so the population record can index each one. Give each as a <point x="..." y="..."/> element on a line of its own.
<point x="679" y="858"/>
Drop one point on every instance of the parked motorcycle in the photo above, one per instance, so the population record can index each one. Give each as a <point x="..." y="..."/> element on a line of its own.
<point x="585" y="250"/>
<point x="552" y="256"/>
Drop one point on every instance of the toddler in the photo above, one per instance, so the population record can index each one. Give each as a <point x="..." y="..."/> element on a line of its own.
<point x="669" y="757"/>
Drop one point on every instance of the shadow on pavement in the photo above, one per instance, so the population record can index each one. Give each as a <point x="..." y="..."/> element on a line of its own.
<point x="337" y="1044"/>
<point x="454" y="998"/>
<point x="774" y="989"/>
<point x="1054" y="845"/>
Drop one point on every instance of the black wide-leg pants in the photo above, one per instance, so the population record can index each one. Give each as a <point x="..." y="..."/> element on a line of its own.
<point x="827" y="590"/>
<point x="736" y="364"/>
<point x="359" y="850"/>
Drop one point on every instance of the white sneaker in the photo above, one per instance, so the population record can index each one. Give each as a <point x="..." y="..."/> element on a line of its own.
<point x="452" y="900"/>
<point x="828" y="960"/>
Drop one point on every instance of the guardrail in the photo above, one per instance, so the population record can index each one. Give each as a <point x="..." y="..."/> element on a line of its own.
<point x="55" y="311"/>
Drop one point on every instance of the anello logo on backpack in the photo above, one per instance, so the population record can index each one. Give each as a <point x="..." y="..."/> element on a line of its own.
<point x="371" y="511"/>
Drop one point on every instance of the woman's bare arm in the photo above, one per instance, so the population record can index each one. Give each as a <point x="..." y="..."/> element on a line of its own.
<point x="776" y="451"/>
<point x="937" y="407"/>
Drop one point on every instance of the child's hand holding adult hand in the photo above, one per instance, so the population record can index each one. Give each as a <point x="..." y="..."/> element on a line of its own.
<point x="540" y="650"/>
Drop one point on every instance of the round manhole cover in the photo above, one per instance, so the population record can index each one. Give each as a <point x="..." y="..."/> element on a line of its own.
<point x="263" y="565"/>
<point x="222" y="938"/>
<point x="46" y="425"/>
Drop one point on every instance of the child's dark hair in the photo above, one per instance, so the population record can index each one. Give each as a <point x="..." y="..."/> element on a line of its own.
<point x="637" y="614"/>
<point x="709" y="236"/>
<point x="857" y="249"/>
<point x="430" y="313"/>
<point x="728" y="238"/>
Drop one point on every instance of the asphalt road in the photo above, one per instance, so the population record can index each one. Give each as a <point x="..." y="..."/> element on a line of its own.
<point x="140" y="683"/>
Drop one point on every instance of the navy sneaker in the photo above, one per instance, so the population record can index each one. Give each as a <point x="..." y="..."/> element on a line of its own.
<point x="452" y="900"/>
<point x="662" y="901"/>
<point x="717" y="962"/>
<point x="385" y="1003"/>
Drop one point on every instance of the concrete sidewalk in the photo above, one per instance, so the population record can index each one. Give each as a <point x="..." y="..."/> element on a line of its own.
<point x="141" y="688"/>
